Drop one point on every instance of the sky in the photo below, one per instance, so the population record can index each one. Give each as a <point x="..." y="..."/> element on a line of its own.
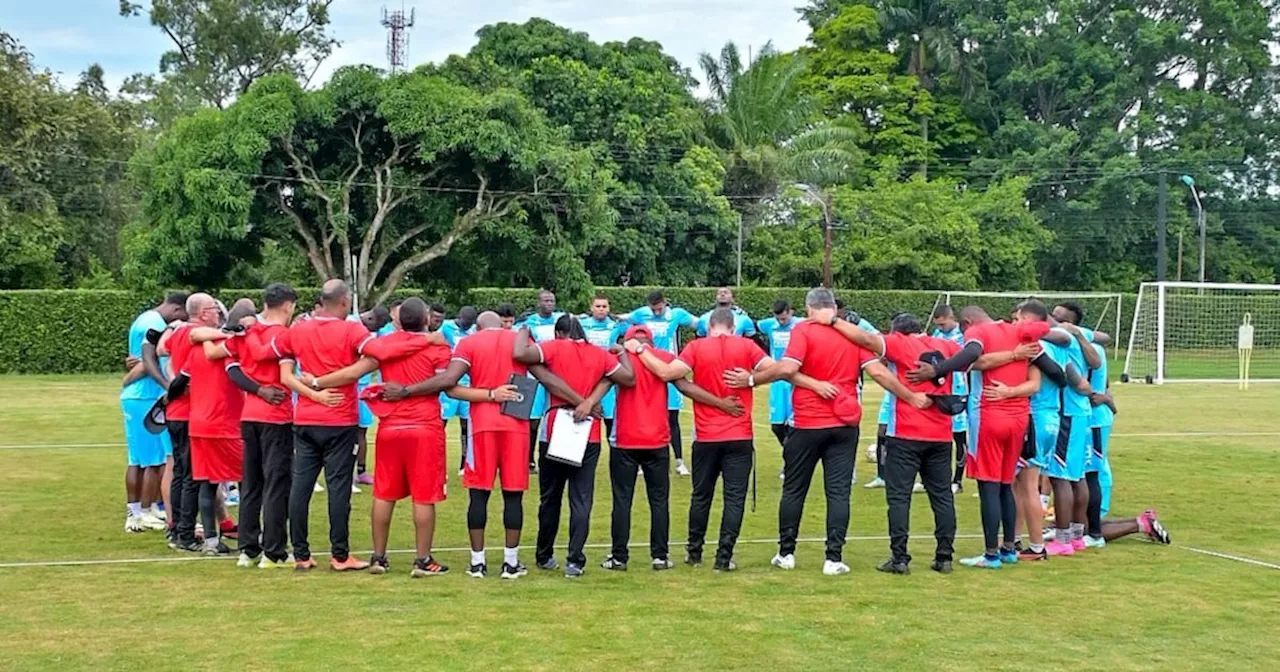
<point x="67" y="35"/>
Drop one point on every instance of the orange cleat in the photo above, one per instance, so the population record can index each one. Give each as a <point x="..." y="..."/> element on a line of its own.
<point x="304" y="565"/>
<point x="348" y="565"/>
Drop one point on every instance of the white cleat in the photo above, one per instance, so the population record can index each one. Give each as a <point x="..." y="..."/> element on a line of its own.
<point x="874" y="483"/>
<point x="955" y="487"/>
<point x="355" y="490"/>
<point x="133" y="524"/>
<point x="159" y="513"/>
<point x="150" y="522"/>
<point x="681" y="470"/>
<point x="318" y="488"/>
<point x="245" y="561"/>
<point x="787" y="561"/>
<point x="918" y="487"/>
<point x="832" y="568"/>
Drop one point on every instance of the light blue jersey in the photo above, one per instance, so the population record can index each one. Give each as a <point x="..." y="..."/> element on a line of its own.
<point x="144" y="388"/>
<point x="1074" y="404"/>
<point x="959" y="383"/>
<point x="665" y="328"/>
<point x="1049" y="399"/>
<point x="449" y="407"/>
<point x="886" y="400"/>
<point x="742" y="324"/>
<point x="603" y="334"/>
<point x="542" y="329"/>
<point x="1100" y="441"/>
<point x="779" y="337"/>
<point x="1102" y="415"/>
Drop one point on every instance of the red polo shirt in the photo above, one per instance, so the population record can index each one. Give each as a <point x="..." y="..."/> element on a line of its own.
<point x="824" y="354"/>
<point x="320" y="346"/>
<point x="709" y="358"/>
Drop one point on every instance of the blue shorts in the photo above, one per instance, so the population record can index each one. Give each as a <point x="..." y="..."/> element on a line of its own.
<point x="780" y="409"/>
<point x="609" y="403"/>
<point x="366" y="416"/>
<point x="959" y="423"/>
<point x="145" y="449"/>
<point x="1071" y="450"/>
<point x="675" y="401"/>
<point x="1099" y="440"/>
<point x="1043" y="432"/>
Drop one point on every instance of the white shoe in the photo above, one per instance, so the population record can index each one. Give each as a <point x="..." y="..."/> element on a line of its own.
<point x="245" y="561"/>
<point x="782" y="475"/>
<point x="681" y="470"/>
<point x="787" y="561"/>
<point x="266" y="563"/>
<point x="158" y="513"/>
<point x="874" y="483"/>
<point x="460" y="472"/>
<point x="355" y="490"/>
<point x="918" y="487"/>
<point x="831" y="568"/>
<point x="639" y="472"/>
<point x="955" y="487"/>
<point x="318" y="488"/>
<point x="150" y="522"/>
<point x="133" y="524"/>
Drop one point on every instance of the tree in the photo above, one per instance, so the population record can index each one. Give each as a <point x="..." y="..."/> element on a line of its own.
<point x="369" y="178"/>
<point x="221" y="47"/>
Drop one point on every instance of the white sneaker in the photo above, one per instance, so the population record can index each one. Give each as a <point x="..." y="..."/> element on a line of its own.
<point x="460" y="472"/>
<point x="681" y="470"/>
<point x="158" y="513"/>
<point x="955" y="487"/>
<point x="245" y="561"/>
<point x="918" y="487"/>
<point x="831" y="568"/>
<point x="355" y="490"/>
<point x="133" y="524"/>
<point x="318" y="488"/>
<point x="874" y="483"/>
<point x="150" y="522"/>
<point x="787" y="561"/>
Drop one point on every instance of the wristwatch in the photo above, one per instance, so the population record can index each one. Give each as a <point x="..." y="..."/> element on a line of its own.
<point x="751" y="380"/>
<point x="640" y="350"/>
<point x="315" y="384"/>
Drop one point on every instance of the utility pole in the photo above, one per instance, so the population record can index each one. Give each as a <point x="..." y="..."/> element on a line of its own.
<point x="739" y="285"/>
<point x="826" y="252"/>
<point x="1162" y="254"/>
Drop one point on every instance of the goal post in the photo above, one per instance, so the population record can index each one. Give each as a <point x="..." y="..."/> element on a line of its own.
<point x="1102" y="311"/>
<point x="1192" y="332"/>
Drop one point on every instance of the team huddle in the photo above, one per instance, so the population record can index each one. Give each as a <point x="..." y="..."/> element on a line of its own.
<point x="259" y="398"/>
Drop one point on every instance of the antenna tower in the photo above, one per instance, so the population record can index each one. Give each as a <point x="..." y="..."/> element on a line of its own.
<point x="397" y="25"/>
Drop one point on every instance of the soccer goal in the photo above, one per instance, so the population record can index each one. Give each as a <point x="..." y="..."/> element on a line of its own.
<point x="1191" y="332"/>
<point x="1101" y="310"/>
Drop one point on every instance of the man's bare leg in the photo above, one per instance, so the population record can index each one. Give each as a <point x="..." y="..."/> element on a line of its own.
<point x="424" y="528"/>
<point x="1027" y="492"/>
<point x="1063" y="505"/>
<point x="166" y="481"/>
<point x="150" y="485"/>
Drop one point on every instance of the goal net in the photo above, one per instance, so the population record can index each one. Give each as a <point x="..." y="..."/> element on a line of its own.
<point x="1192" y="332"/>
<point x="1101" y="310"/>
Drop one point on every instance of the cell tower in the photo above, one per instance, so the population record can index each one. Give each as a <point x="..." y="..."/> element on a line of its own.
<point x="397" y="36"/>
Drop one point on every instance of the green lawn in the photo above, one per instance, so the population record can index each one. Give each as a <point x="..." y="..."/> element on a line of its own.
<point x="1133" y="605"/>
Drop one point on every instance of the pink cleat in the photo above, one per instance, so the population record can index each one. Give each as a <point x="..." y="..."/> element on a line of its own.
<point x="1077" y="545"/>
<point x="1055" y="548"/>
<point x="364" y="479"/>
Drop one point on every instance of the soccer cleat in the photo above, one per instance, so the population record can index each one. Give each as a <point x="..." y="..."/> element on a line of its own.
<point x="549" y="564"/>
<point x="573" y="571"/>
<point x="729" y="566"/>
<point x="661" y="564"/>
<point x="133" y="524"/>
<point x="171" y="538"/>
<point x="244" y="561"/>
<point x="1094" y="542"/>
<point x="1150" y="525"/>
<point x="694" y="559"/>
<point x="941" y="566"/>
<point x="1008" y="557"/>
<point x="787" y="561"/>
<point x="229" y="529"/>
<point x="833" y="568"/>
<point x="157" y="511"/>
<point x="268" y="563"/>
<point x="513" y="572"/>
<point x="681" y="470"/>
<point x="1028" y="555"/>
<point x="192" y="546"/>
<point x="364" y="479"/>
<point x="355" y="490"/>
<point x="917" y="488"/>
<point x="478" y="571"/>
<point x="218" y="550"/>
<point x="348" y="564"/>
<point x="317" y="487"/>
<point x="639" y="472"/>
<point x="150" y="522"/>
<point x="378" y="564"/>
<point x="874" y="483"/>
<point x="1078" y="545"/>
<point x="533" y="468"/>
<point x="982" y="562"/>
<point x="614" y="564"/>
<point x="427" y="567"/>
<point x="891" y="567"/>
<point x="304" y="565"/>
<point x="1055" y="548"/>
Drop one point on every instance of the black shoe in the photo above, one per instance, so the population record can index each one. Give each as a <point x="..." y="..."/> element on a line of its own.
<point x="533" y="468"/>
<point x="427" y="567"/>
<point x="891" y="567"/>
<point x="478" y="571"/>
<point x="1017" y="545"/>
<point x="191" y="546"/>
<point x="572" y="571"/>
<point x="378" y="564"/>
<point x="217" y="551"/>
<point x="171" y="538"/>
<point x="515" y="571"/>
<point x="694" y="559"/>
<point x="941" y="566"/>
<point x="549" y="564"/>
<point x="725" y="566"/>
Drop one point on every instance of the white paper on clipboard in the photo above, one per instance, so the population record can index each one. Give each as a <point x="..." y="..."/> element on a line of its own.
<point x="568" y="438"/>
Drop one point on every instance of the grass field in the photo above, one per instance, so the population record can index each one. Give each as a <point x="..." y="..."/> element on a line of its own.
<point x="1133" y="605"/>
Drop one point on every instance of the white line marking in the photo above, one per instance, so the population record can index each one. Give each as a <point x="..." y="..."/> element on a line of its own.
<point x="14" y="446"/>
<point x="1192" y="435"/>
<point x="1227" y="556"/>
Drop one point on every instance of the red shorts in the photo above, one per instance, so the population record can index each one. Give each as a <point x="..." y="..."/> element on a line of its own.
<point x="493" y="453"/>
<point x="410" y="463"/>
<point x="994" y="451"/>
<point x="217" y="460"/>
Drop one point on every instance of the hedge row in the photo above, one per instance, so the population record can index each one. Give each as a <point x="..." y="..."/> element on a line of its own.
<point x="85" y="331"/>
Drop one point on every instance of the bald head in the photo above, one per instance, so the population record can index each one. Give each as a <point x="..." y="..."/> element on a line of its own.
<point x="335" y="296"/>
<point x="971" y="315"/>
<point x="489" y="320"/>
<point x="240" y="310"/>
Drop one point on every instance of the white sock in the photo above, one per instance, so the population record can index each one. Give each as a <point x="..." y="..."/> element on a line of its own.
<point x="135" y="508"/>
<point x="477" y="557"/>
<point x="1044" y="502"/>
<point x="509" y="556"/>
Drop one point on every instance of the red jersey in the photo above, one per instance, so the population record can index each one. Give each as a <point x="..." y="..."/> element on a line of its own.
<point x="906" y="421"/>
<point x="581" y="365"/>
<point x="824" y="354"/>
<point x="179" y="346"/>
<point x="487" y="354"/>
<point x="216" y="402"/>
<point x="640" y="416"/>
<point x="320" y="346"/>
<point x="1002" y="337"/>
<point x="405" y="357"/>
<point x="709" y="358"/>
<point x="261" y="364"/>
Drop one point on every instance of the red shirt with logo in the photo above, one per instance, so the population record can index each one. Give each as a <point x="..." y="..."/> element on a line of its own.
<point x="709" y="358"/>
<point x="824" y="354"/>
<point x="320" y="346"/>
<point x="581" y="365"/>
<point x="261" y="363"/>
<point x="1003" y="337"/>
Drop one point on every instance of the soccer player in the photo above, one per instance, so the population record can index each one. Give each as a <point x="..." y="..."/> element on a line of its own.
<point x="826" y="370"/>
<point x="582" y="366"/>
<point x="542" y="325"/>
<point x="997" y="422"/>
<point x="1097" y="469"/>
<point x="777" y="333"/>
<point x="917" y="441"/>
<point x="603" y="331"/>
<point x="147" y="452"/>
<point x="724" y="445"/>
<point x="454" y="331"/>
<point x="324" y="437"/>
<point x="742" y="324"/>
<point x="497" y="447"/>
<point x="435" y="317"/>
<point x="946" y="326"/>
<point x="507" y="314"/>
<point x="638" y="442"/>
<point x="664" y="323"/>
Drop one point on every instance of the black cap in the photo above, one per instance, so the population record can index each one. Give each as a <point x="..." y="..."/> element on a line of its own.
<point x="154" y="421"/>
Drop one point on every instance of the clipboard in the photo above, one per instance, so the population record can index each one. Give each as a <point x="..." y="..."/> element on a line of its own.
<point x="568" y="442"/>
<point x="522" y="407"/>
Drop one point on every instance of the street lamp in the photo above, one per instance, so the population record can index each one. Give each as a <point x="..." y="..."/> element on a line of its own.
<point x="1191" y="184"/>
<point x="813" y="195"/>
